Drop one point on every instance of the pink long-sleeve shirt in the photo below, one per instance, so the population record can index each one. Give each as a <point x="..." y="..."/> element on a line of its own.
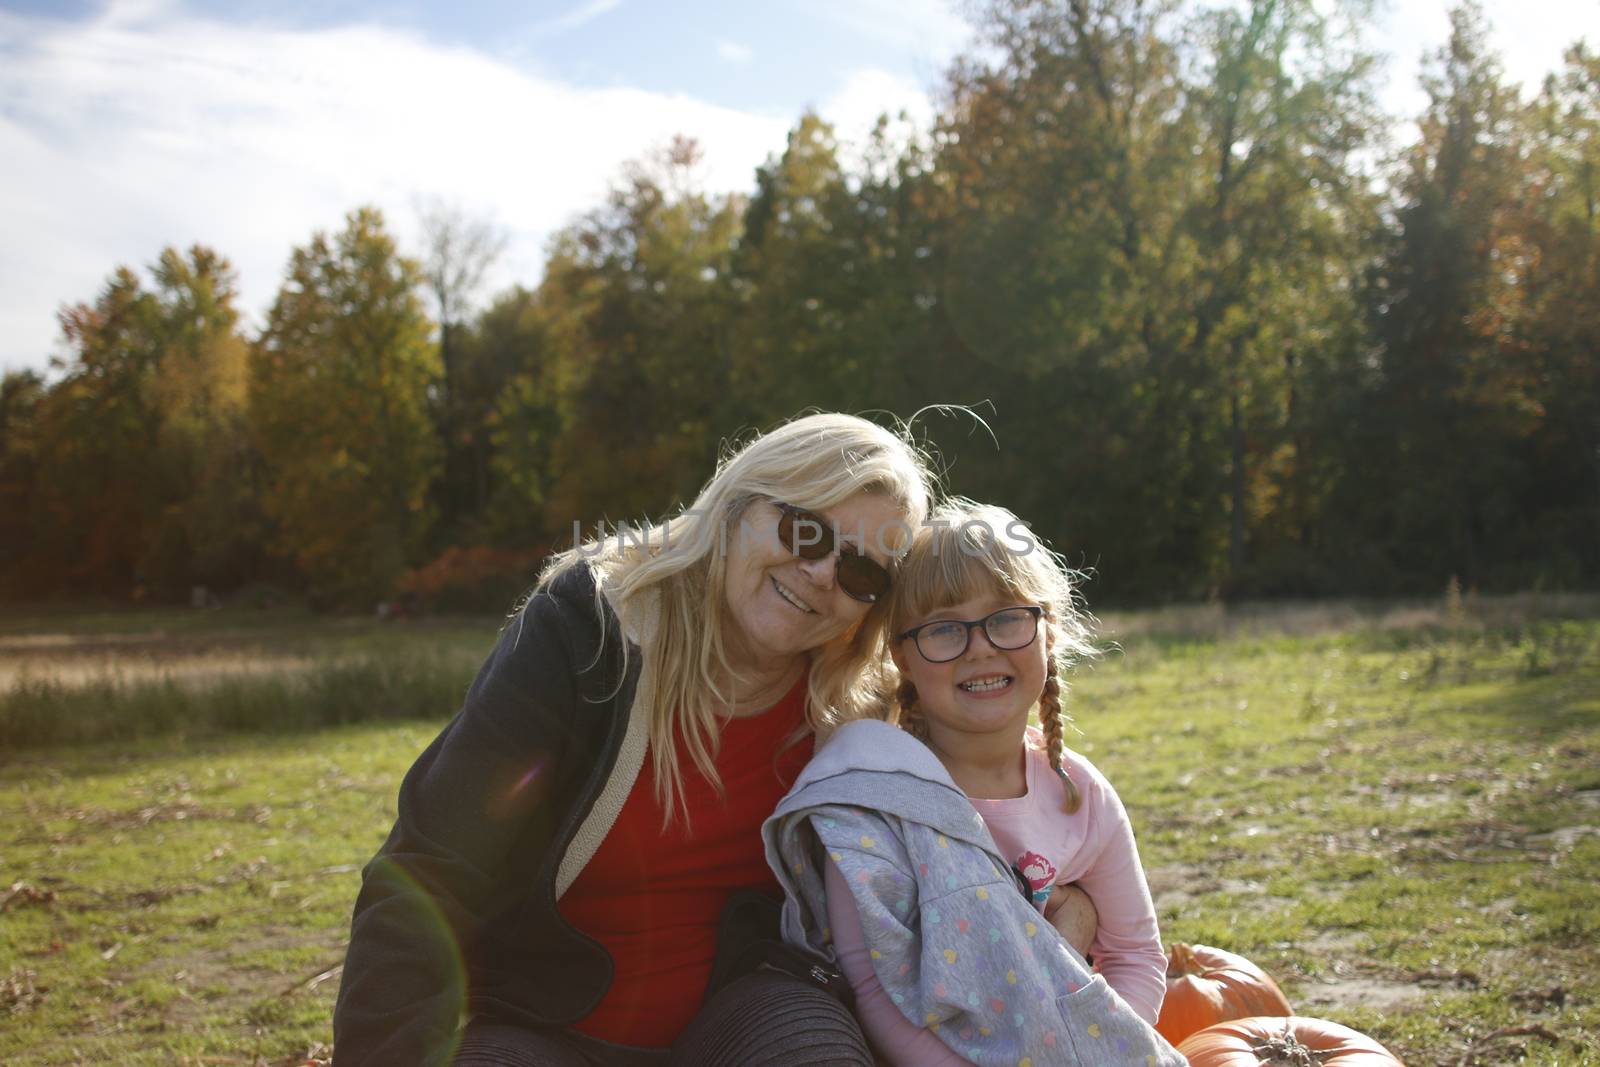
<point x="1093" y="847"/>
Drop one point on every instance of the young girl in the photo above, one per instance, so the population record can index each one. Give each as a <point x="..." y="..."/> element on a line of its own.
<point x="983" y="623"/>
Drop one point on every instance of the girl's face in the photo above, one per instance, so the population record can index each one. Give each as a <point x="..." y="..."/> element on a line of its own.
<point x="983" y="691"/>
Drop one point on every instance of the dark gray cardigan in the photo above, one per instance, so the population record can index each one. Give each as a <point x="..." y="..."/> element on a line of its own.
<point x="457" y="912"/>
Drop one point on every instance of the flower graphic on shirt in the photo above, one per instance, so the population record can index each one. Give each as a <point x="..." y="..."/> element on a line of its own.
<point x="1040" y="873"/>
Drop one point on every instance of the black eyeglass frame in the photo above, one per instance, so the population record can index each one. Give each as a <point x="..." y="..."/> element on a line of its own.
<point x="915" y="633"/>
<point x="870" y="579"/>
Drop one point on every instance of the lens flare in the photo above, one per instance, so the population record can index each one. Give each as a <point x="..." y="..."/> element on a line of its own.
<point x="520" y="793"/>
<point x="414" y="915"/>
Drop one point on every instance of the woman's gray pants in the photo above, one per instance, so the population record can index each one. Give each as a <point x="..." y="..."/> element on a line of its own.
<point x="765" y="1019"/>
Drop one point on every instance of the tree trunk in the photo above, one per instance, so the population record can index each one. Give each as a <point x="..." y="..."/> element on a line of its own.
<point x="1239" y="504"/>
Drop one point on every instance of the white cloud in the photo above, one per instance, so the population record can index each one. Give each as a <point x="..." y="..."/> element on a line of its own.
<point x="928" y="29"/>
<point x="1528" y="35"/>
<point x="147" y="127"/>
<point x="865" y="95"/>
<point x="734" y="52"/>
<point x="580" y="15"/>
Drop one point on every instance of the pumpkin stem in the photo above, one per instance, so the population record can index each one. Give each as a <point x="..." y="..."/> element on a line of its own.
<point x="1287" y="1051"/>
<point x="1181" y="962"/>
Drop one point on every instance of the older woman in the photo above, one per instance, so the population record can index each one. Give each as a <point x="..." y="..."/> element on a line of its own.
<point x="552" y="887"/>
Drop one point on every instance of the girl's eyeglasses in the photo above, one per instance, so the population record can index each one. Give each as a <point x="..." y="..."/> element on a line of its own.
<point x="810" y="536"/>
<point x="946" y="639"/>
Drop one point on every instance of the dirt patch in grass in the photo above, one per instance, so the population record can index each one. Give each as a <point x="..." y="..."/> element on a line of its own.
<point x="1562" y="838"/>
<point x="185" y="809"/>
<point x="1333" y="997"/>
<point x="1354" y="982"/>
<point x="1333" y="945"/>
<point x="1177" y="884"/>
<point x="232" y="978"/>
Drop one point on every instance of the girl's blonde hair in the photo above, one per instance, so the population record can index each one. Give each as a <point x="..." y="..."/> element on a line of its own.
<point x="813" y="462"/>
<point x="969" y="551"/>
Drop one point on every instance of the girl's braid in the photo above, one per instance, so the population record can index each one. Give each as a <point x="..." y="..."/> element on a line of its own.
<point x="910" y="721"/>
<point x="1051" y="719"/>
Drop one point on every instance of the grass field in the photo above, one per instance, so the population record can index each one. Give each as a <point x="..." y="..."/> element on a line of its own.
<point x="1394" y="809"/>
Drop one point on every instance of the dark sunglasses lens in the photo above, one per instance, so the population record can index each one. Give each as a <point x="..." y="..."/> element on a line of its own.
<point x="862" y="578"/>
<point x="804" y="534"/>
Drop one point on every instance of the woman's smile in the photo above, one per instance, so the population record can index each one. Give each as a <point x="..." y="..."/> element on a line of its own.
<point x="792" y="598"/>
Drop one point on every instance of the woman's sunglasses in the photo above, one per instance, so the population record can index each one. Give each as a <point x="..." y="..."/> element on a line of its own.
<point x="810" y="536"/>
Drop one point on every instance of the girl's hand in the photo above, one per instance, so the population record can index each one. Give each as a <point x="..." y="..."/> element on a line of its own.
<point x="1073" y="914"/>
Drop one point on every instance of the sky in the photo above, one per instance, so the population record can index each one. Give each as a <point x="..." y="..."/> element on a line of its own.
<point x="130" y="125"/>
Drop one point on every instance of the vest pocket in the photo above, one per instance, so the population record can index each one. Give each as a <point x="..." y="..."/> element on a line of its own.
<point x="1104" y="1031"/>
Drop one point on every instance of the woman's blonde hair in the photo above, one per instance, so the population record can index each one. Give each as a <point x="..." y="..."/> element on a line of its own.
<point x="813" y="462"/>
<point x="969" y="551"/>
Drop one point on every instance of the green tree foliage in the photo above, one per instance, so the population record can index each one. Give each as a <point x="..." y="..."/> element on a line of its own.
<point x="458" y="251"/>
<point x="1051" y="169"/>
<point x="827" y="273"/>
<point x="1281" y="109"/>
<point x="339" y="382"/>
<point x="210" y="531"/>
<point x="98" y="425"/>
<point x="510" y="351"/>
<point x="1437" y="478"/>
<point x="1151" y="229"/>
<point x="1560" y="325"/>
<point x="795" y="269"/>
<point x="21" y="393"/>
<point x="636" y="299"/>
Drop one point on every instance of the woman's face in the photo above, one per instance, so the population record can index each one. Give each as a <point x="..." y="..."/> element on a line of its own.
<point x="779" y="605"/>
<point x="985" y="689"/>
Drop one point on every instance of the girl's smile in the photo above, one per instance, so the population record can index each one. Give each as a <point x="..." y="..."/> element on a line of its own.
<point x="988" y="685"/>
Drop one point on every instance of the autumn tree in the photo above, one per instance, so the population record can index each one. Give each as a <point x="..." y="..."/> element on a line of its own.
<point x="1151" y="218"/>
<point x="141" y="482"/>
<point x="1055" y="170"/>
<point x="210" y="531"/>
<point x="635" y="300"/>
<point x="1434" y="473"/>
<point x="1555" y="253"/>
<point x="1282" y="109"/>
<point x="339" y="401"/>
<point x="458" y="251"/>
<point x="93" y="511"/>
<point x="512" y="342"/>
<point x="1226" y="345"/>
<point x="21" y="393"/>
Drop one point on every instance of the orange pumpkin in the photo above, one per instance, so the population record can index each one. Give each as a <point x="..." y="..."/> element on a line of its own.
<point x="1207" y="985"/>
<point x="1270" y="1041"/>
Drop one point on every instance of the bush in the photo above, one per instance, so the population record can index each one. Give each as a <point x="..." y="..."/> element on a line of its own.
<point x="476" y="579"/>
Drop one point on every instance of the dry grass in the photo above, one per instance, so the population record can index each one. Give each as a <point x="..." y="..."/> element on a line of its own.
<point x="1470" y="613"/>
<point x="75" y="680"/>
<point x="77" y="670"/>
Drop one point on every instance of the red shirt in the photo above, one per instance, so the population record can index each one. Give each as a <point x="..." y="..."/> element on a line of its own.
<point x="653" y="898"/>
